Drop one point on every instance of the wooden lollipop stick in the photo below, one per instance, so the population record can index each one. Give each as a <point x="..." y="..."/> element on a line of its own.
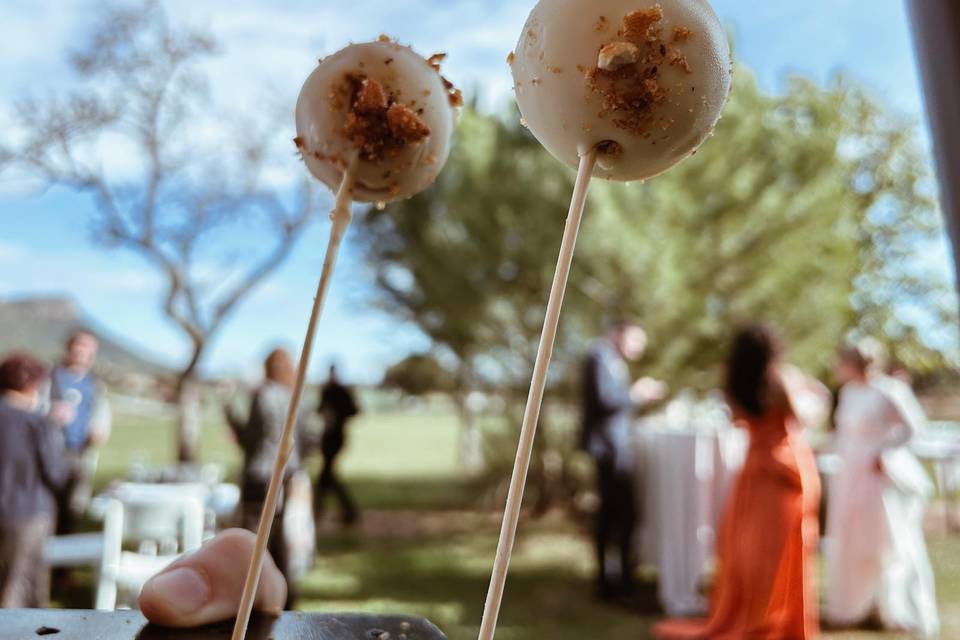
<point x="531" y="416"/>
<point x="341" y="217"/>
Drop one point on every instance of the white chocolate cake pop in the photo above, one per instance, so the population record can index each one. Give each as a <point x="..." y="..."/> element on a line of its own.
<point x="643" y="81"/>
<point x="386" y="103"/>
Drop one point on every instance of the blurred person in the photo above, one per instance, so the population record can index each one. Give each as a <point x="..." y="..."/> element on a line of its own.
<point x="337" y="407"/>
<point x="877" y="558"/>
<point x="768" y="537"/>
<point x="32" y="471"/>
<point x="609" y="403"/>
<point x="259" y="438"/>
<point x="78" y="404"/>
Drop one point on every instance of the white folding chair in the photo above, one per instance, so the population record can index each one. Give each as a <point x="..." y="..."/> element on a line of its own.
<point x="161" y="522"/>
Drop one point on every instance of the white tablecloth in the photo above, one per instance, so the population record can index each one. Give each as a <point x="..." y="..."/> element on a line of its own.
<point x="685" y="478"/>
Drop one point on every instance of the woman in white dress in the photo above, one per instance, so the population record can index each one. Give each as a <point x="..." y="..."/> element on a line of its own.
<point x="877" y="558"/>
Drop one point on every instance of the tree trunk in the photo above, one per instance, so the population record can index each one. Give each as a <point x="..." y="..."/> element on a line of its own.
<point x="188" y="422"/>
<point x="189" y="419"/>
<point x="470" y="449"/>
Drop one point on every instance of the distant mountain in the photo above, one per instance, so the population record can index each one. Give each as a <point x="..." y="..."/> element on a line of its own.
<point x="41" y="325"/>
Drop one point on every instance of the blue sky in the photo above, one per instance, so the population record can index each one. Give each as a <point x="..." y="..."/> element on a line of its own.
<point x="270" y="47"/>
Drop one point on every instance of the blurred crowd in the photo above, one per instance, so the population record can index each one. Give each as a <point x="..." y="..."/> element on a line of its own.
<point x="55" y="419"/>
<point x="52" y="421"/>
<point x="878" y="569"/>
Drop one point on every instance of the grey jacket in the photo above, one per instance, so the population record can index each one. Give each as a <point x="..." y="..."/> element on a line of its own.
<point x="259" y="436"/>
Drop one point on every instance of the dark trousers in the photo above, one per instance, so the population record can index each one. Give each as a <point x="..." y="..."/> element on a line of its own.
<point x="24" y="574"/>
<point x="73" y="498"/>
<point x="615" y="526"/>
<point x="330" y="446"/>
<point x="254" y="495"/>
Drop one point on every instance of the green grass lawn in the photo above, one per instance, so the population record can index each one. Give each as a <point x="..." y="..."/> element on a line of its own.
<point x="424" y="548"/>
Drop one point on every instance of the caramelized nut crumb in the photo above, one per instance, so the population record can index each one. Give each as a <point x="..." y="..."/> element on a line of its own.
<point x="371" y="97"/>
<point x="628" y="77"/>
<point x="637" y="25"/>
<point x="405" y="124"/>
<point x="435" y="60"/>
<point x="618" y="54"/>
<point x="376" y="123"/>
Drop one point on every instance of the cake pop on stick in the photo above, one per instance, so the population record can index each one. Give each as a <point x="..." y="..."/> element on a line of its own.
<point x="374" y="121"/>
<point x="620" y="89"/>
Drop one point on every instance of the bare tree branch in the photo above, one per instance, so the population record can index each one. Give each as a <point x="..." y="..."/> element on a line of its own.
<point x="126" y="137"/>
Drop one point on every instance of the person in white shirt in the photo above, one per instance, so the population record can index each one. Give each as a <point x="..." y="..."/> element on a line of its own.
<point x="877" y="559"/>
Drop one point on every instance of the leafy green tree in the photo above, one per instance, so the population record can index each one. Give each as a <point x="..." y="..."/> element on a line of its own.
<point x="418" y="375"/>
<point x="805" y="210"/>
<point x="468" y="261"/>
<point x="179" y="201"/>
<point x="808" y="210"/>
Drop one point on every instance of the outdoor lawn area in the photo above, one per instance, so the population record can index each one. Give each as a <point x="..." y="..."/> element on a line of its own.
<point x="424" y="547"/>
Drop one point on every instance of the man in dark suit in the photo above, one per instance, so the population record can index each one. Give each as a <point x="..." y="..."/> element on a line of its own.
<point x="609" y="403"/>
<point x="337" y="406"/>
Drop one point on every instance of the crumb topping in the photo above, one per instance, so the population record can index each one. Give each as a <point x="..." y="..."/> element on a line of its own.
<point x="618" y="54"/>
<point x="454" y="94"/>
<point x="627" y="77"/>
<point x="370" y="98"/>
<point x="677" y="59"/>
<point x="641" y="25"/>
<point x="376" y="123"/>
<point x="511" y="57"/>
<point x="405" y="123"/>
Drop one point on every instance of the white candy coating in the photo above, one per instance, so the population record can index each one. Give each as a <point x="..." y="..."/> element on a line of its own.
<point x="322" y="113"/>
<point x="558" y="50"/>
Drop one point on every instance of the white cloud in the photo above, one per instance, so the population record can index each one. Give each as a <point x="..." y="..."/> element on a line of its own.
<point x="85" y="272"/>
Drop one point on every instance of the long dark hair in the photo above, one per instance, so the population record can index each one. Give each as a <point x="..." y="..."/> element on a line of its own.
<point x="755" y="350"/>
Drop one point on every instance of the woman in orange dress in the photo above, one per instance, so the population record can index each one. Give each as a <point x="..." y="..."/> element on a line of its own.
<point x="765" y="584"/>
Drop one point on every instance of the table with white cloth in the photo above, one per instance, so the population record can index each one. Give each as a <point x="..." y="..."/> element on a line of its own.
<point x="685" y="475"/>
<point x="939" y="446"/>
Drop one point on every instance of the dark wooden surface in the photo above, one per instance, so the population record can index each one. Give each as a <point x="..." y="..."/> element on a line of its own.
<point x="27" y="624"/>
<point x="936" y="33"/>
